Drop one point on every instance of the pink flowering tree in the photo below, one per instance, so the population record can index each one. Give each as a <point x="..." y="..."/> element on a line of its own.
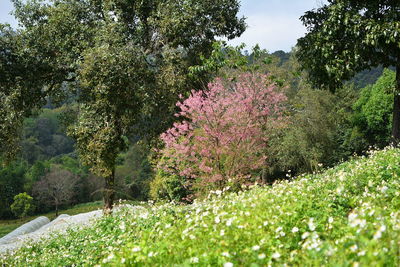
<point x="223" y="135"/>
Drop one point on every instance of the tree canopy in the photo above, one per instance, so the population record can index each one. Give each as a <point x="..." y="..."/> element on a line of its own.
<point x="126" y="61"/>
<point x="347" y="36"/>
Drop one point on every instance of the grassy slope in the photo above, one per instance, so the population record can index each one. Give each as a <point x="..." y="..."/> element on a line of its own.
<point x="6" y="226"/>
<point x="344" y="216"/>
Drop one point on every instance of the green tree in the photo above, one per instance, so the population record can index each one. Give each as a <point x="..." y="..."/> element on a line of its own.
<point x="11" y="184"/>
<point x="372" y="114"/>
<point x="348" y="36"/>
<point x="126" y="60"/>
<point x="23" y="205"/>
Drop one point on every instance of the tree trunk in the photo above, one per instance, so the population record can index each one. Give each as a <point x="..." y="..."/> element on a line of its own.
<point x="109" y="193"/>
<point x="56" y="208"/>
<point x="396" y="108"/>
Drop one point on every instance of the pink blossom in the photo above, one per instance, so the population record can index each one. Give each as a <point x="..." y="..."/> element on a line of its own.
<point x="224" y="133"/>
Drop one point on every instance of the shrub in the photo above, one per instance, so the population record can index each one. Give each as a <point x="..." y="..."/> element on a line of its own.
<point x="22" y="205"/>
<point x="168" y="187"/>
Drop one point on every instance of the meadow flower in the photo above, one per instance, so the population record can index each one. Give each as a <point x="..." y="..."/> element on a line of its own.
<point x="194" y="260"/>
<point x="136" y="249"/>
<point x="311" y="224"/>
<point x="276" y="255"/>
<point x="354" y="247"/>
<point x="305" y="235"/>
<point x="361" y="253"/>
<point x="228" y="264"/>
<point x="225" y="254"/>
<point x="295" y="229"/>
<point x="255" y="248"/>
<point x="261" y="256"/>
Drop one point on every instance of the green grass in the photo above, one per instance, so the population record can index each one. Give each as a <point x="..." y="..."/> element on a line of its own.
<point x="345" y="216"/>
<point x="6" y="226"/>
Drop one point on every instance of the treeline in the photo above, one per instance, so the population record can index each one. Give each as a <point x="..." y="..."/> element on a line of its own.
<point x="314" y="128"/>
<point x="319" y="128"/>
<point x="49" y="170"/>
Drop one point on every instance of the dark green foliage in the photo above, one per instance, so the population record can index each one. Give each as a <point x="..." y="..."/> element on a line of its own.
<point x="372" y="118"/>
<point x="135" y="172"/>
<point x="43" y="137"/>
<point x="366" y="77"/>
<point x="11" y="184"/>
<point x="347" y="36"/>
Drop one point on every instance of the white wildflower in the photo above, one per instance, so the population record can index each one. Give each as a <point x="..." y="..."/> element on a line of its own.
<point x="136" y="249"/>
<point x="305" y="235"/>
<point x="361" y="253"/>
<point x="194" y="260"/>
<point x="225" y="254"/>
<point x="311" y="224"/>
<point x="261" y="256"/>
<point x="276" y="255"/>
<point x="229" y="222"/>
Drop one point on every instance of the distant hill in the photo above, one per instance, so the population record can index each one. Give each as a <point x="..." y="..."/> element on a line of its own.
<point x="360" y="80"/>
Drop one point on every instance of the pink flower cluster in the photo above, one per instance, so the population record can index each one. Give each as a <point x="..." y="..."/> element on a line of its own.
<point x="224" y="133"/>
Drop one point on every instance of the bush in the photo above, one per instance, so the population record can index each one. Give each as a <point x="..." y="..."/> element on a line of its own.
<point x="169" y="187"/>
<point x="22" y="205"/>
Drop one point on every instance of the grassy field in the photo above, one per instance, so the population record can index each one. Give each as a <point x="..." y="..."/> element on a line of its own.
<point x="6" y="226"/>
<point x="345" y="216"/>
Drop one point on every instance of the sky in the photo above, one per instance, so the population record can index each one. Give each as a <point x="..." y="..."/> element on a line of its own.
<point x="273" y="24"/>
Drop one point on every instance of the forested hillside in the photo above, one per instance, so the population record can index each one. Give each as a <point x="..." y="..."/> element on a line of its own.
<point x="240" y="156"/>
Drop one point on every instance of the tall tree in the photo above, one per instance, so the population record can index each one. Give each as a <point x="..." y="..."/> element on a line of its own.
<point x="347" y="36"/>
<point x="126" y="60"/>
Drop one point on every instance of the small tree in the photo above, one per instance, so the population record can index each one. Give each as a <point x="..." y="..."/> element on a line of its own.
<point x="56" y="188"/>
<point x="22" y="205"/>
<point x="225" y="132"/>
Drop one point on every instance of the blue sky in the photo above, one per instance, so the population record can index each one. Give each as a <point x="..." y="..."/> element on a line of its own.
<point x="273" y="24"/>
